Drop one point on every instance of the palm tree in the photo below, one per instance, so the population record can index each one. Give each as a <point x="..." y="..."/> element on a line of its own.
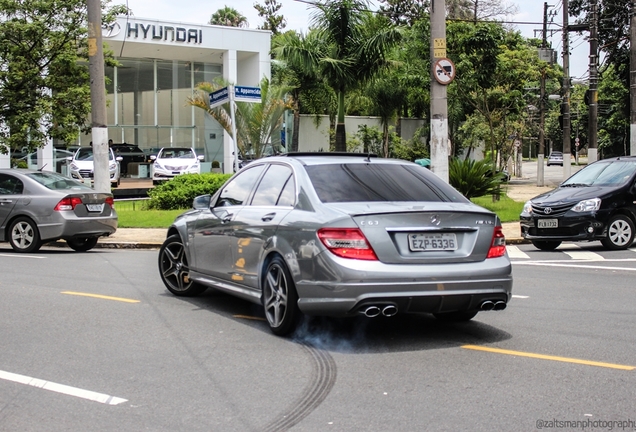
<point x="296" y="65"/>
<point x="355" y="47"/>
<point x="255" y="122"/>
<point x="230" y="17"/>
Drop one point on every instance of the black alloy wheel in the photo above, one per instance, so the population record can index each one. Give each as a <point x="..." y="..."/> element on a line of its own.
<point x="82" y="244"/>
<point x="620" y="233"/>
<point x="174" y="269"/>
<point x="546" y="245"/>
<point x="280" y="298"/>
<point x="24" y="235"/>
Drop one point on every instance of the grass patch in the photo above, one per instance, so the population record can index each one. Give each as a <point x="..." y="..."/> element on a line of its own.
<point x="506" y="208"/>
<point x="134" y="214"/>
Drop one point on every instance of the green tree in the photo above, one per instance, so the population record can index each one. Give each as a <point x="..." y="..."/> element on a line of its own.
<point x="405" y="12"/>
<point x="268" y="11"/>
<point x="44" y="87"/>
<point x="357" y="43"/>
<point x="229" y="17"/>
<point x="296" y="56"/>
<point x="255" y="122"/>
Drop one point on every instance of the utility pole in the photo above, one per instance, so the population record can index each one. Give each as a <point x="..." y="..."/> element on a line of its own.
<point x="544" y="45"/>
<point x="439" y="105"/>
<point x="98" y="97"/>
<point x="567" y="169"/>
<point x="632" y="79"/>
<point x="592" y="133"/>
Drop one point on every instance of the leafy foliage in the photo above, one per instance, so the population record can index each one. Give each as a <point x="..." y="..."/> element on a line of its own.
<point x="229" y="17"/>
<point x="44" y="88"/>
<point x="179" y="192"/>
<point x="473" y="178"/>
<point x="268" y="12"/>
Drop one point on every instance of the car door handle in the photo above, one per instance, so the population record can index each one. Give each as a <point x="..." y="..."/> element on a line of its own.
<point x="227" y="218"/>
<point x="268" y="217"/>
<point x="5" y="201"/>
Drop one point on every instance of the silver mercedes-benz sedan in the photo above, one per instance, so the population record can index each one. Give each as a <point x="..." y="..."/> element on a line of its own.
<point x="340" y="235"/>
<point x="40" y="206"/>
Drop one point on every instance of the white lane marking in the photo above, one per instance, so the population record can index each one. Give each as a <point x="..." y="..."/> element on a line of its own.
<point x="581" y="266"/>
<point x="515" y="252"/>
<point x="519" y="296"/>
<point x="584" y="256"/>
<point x="568" y="246"/>
<point x="61" y="388"/>
<point x="23" y="256"/>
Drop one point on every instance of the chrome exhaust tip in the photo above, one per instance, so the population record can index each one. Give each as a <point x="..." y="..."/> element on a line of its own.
<point x="500" y="305"/>
<point x="372" y="311"/>
<point x="487" y="305"/>
<point x="389" y="311"/>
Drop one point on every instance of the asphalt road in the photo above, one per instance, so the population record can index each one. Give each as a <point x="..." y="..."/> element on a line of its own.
<point x="95" y="342"/>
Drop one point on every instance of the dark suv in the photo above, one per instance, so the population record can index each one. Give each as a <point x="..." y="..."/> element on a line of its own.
<point x="130" y="153"/>
<point x="596" y="203"/>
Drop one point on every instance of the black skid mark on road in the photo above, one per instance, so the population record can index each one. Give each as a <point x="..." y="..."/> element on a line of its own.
<point x="323" y="378"/>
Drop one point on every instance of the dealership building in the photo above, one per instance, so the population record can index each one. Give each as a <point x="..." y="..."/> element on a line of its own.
<point x="160" y="64"/>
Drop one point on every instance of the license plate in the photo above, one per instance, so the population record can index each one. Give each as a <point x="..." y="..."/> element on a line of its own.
<point x="95" y="207"/>
<point x="432" y="242"/>
<point x="547" y="223"/>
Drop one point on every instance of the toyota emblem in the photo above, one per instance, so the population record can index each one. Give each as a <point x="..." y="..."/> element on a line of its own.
<point x="547" y="210"/>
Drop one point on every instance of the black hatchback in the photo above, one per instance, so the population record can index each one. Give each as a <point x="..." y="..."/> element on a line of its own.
<point x="596" y="203"/>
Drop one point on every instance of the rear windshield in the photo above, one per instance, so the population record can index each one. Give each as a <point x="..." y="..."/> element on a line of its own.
<point x="379" y="182"/>
<point x="55" y="181"/>
<point x="612" y="173"/>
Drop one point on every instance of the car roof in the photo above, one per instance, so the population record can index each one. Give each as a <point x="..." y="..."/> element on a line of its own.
<point x="325" y="158"/>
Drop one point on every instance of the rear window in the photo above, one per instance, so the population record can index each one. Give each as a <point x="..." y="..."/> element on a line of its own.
<point x="55" y="181"/>
<point x="379" y="182"/>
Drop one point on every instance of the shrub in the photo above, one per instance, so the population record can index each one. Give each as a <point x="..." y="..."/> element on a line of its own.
<point x="179" y="192"/>
<point x="216" y="164"/>
<point x="473" y="178"/>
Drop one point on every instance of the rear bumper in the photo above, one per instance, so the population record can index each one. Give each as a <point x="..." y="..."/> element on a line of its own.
<point x="69" y="228"/>
<point x="442" y="288"/>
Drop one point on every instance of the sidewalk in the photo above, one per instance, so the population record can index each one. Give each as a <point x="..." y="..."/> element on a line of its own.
<point x="152" y="238"/>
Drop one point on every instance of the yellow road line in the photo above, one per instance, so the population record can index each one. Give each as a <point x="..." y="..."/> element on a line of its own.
<point x="247" y="317"/>
<point x="101" y="297"/>
<point x="548" y="357"/>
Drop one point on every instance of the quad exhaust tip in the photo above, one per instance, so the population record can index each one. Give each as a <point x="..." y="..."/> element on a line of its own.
<point x="374" y="311"/>
<point x="489" y="305"/>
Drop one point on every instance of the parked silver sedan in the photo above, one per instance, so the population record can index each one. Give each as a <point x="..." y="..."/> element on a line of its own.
<point x="40" y="206"/>
<point x="340" y="235"/>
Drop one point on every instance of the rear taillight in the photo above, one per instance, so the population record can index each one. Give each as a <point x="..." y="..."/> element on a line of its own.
<point x="68" y="203"/>
<point x="347" y="243"/>
<point x="498" y="244"/>
<point x="110" y="201"/>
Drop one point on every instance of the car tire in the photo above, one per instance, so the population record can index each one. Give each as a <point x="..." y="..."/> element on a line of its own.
<point x="620" y="233"/>
<point x="82" y="244"/>
<point x="114" y="184"/>
<point x="280" y="299"/>
<point x="459" y="316"/>
<point x="546" y="245"/>
<point x="174" y="269"/>
<point x="24" y="235"/>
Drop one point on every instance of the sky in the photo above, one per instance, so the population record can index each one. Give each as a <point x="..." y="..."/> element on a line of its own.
<point x="298" y="15"/>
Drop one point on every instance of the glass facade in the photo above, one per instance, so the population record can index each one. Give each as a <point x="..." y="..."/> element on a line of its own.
<point x="147" y="106"/>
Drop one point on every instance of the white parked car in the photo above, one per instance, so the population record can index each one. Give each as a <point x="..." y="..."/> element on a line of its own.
<point x="173" y="161"/>
<point x="81" y="166"/>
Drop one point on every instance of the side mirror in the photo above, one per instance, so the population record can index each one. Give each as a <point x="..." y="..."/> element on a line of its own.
<point x="119" y="158"/>
<point x="201" y="157"/>
<point x="69" y="158"/>
<point x="201" y="202"/>
<point x="153" y="157"/>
